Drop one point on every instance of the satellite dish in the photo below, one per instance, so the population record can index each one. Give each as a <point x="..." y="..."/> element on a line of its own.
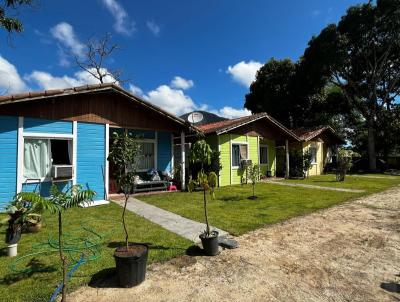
<point x="195" y="117"/>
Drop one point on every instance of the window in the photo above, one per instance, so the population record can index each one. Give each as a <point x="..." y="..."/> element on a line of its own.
<point x="239" y="152"/>
<point x="146" y="157"/>
<point x="313" y="151"/>
<point x="263" y="154"/>
<point x="41" y="154"/>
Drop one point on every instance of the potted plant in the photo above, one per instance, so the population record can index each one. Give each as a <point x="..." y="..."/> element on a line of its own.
<point x="22" y="212"/>
<point x="254" y="174"/>
<point x="130" y="259"/>
<point x="201" y="153"/>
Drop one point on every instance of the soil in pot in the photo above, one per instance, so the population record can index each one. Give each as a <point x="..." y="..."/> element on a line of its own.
<point x="210" y="243"/>
<point x="131" y="264"/>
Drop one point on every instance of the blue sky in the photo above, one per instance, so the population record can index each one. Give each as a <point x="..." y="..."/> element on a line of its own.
<point x="181" y="55"/>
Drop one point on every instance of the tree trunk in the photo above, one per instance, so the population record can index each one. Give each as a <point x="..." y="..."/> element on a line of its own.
<point x="371" y="145"/>
<point x="123" y="222"/>
<point x="63" y="260"/>
<point x="205" y="212"/>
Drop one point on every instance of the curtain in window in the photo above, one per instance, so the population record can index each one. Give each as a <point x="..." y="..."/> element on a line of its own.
<point x="146" y="160"/>
<point x="36" y="158"/>
<point x="243" y="151"/>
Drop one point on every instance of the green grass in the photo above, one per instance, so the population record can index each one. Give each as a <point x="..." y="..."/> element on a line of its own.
<point x="360" y="182"/>
<point x="234" y="212"/>
<point x="104" y="220"/>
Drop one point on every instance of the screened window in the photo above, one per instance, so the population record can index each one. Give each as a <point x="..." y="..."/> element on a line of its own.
<point x="146" y="158"/>
<point x="263" y="154"/>
<point x="313" y="151"/>
<point x="239" y="152"/>
<point x="41" y="154"/>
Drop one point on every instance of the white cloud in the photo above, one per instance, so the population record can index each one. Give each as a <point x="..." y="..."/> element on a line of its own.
<point x="64" y="33"/>
<point x="171" y="100"/>
<point x="244" y="72"/>
<point x="122" y="24"/>
<point x="46" y="80"/>
<point x="230" y="112"/>
<point x="135" y="90"/>
<point x="181" y="83"/>
<point x="153" y="27"/>
<point x="10" y="80"/>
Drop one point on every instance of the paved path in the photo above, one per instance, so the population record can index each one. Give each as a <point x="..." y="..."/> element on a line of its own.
<point x="182" y="226"/>
<point x="275" y="182"/>
<point x="378" y="177"/>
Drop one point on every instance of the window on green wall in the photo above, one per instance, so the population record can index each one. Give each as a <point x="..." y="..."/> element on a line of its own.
<point x="263" y="154"/>
<point x="239" y="152"/>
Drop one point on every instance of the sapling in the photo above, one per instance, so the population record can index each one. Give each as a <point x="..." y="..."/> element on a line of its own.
<point x="254" y="174"/>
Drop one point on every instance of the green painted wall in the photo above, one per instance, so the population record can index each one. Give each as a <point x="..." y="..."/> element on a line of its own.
<point x="234" y="174"/>
<point x="271" y="166"/>
<point x="224" y="144"/>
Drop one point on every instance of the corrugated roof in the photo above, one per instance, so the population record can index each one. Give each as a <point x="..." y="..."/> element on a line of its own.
<point x="308" y="134"/>
<point x="224" y="126"/>
<point x="36" y="95"/>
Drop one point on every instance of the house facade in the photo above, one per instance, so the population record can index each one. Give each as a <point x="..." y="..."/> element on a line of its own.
<point x="63" y="136"/>
<point x="253" y="138"/>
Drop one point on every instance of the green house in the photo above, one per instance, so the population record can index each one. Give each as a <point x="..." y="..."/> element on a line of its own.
<point x="253" y="138"/>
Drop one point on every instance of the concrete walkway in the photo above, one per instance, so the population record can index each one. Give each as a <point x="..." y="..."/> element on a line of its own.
<point x="313" y="186"/>
<point x="182" y="226"/>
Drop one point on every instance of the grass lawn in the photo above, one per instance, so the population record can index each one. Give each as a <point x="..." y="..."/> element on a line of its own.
<point x="234" y="212"/>
<point x="360" y="182"/>
<point x="104" y="220"/>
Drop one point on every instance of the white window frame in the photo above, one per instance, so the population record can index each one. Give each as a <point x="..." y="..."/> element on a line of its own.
<point x="259" y="159"/>
<point x="45" y="136"/>
<point x="238" y="143"/>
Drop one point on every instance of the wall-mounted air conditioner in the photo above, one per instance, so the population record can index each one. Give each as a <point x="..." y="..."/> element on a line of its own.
<point x="62" y="171"/>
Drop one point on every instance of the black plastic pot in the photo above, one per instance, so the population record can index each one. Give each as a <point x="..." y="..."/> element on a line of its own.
<point x="210" y="243"/>
<point x="13" y="236"/>
<point x="131" y="266"/>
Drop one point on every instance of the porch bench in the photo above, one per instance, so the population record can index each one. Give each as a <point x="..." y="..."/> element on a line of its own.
<point x="149" y="185"/>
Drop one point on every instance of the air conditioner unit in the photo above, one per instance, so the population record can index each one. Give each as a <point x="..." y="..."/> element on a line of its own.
<point x="62" y="171"/>
<point x="244" y="163"/>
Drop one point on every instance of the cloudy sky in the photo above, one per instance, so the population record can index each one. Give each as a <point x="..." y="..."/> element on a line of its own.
<point x="180" y="55"/>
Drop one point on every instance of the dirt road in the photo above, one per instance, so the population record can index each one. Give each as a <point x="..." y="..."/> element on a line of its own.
<point x="345" y="253"/>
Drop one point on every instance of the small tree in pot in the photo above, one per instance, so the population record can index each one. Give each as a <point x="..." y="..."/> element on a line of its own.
<point x="130" y="259"/>
<point x="201" y="153"/>
<point x="254" y="175"/>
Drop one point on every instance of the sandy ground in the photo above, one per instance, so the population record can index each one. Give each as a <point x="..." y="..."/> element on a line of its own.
<point x="345" y="253"/>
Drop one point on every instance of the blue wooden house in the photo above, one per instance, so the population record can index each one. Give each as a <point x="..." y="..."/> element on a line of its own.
<point x="63" y="137"/>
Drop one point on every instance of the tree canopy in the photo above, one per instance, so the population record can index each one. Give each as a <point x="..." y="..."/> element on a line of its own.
<point x="8" y="22"/>
<point x="349" y="74"/>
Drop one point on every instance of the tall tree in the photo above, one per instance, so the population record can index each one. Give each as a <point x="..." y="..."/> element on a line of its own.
<point x="361" y="56"/>
<point x="271" y="91"/>
<point x="11" y="23"/>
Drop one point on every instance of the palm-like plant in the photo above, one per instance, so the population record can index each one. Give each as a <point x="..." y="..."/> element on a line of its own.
<point x="58" y="202"/>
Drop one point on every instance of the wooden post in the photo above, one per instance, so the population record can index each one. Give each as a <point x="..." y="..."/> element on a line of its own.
<point x="287" y="158"/>
<point x="183" y="161"/>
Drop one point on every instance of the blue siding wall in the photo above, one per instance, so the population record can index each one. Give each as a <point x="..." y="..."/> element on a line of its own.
<point x="164" y="151"/>
<point x="47" y="126"/>
<point x="91" y="157"/>
<point x="8" y="159"/>
<point x="44" y="187"/>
